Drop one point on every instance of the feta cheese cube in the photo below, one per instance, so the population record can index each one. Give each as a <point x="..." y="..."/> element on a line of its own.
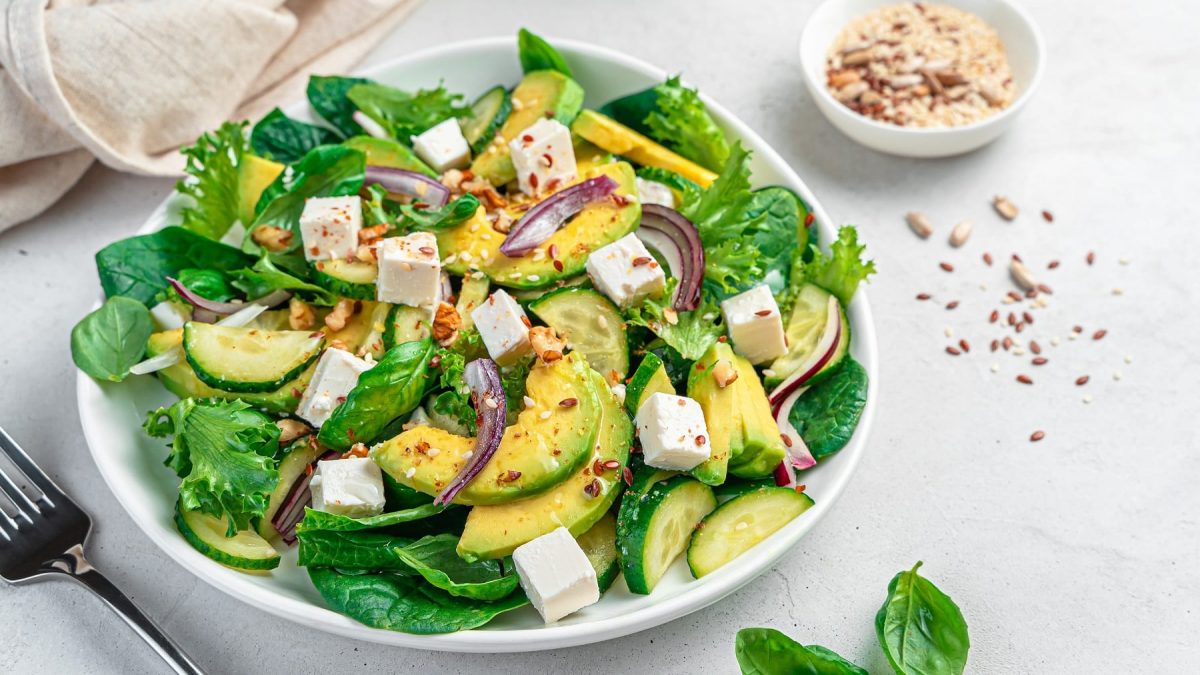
<point x="170" y="315"/>
<point x="442" y="146"/>
<point x="673" y="433"/>
<point x="410" y="272"/>
<point x="654" y="192"/>
<point x="329" y="227"/>
<point x="543" y="156"/>
<point x="626" y="272"/>
<point x="351" y="487"/>
<point x="755" y="325"/>
<point x="336" y="374"/>
<point x="556" y="575"/>
<point x="503" y="326"/>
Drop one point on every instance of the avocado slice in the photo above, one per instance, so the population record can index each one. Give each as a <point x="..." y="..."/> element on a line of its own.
<point x="541" y="93"/>
<point x="475" y="245"/>
<point x="741" y="430"/>
<point x="495" y="531"/>
<point x="181" y="380"/>
<point x="535" y="454"/>
<point x="254" y="175"/>
<point x="611" y="135"/>
<point x="389" y="153"/>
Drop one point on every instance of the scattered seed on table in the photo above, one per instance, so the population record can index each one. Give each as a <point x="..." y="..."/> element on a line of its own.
<point x="987" y="258"/>
<point x="1091" y="257"/>
<point x="1043" y="288"/>
<point x="1008" y="342"/>
<point x="952" y="304"/>
<point x="1018" y="351"/>
<point x="1024" y="379"/>
<point x="1077" y="329"/>
<point x="995" y="367"/>
<point x="1021" y="274"/>
<point x="948" y="331"/>
<point x="952" y="350"/>
<point x="919" y="224"/>
<point x="1017" y="258"/>
<point x="1052" y="264"/>
<point x="966" y="346"/>
<point x="995" y="345"/>
<point x="960" y="233"/>
<point x="1014" y="296"/>
<point x="1019" y="327"/>
<point x="994" y="316"/>
<point x="1099" y="335"/>
<point x="1128" y="359"/>
<point x="923" y="296"/>
<point x="1027" y="316"/>
<point x="1082" y="380"/>
<point x="1037" y="436"/>
<point x="1123" y="261"/>
<point x="1047" y="216"/>
<point x="1039" y="361"/>
<point x="946" y="266"/>
<point x="1055" y="341"/>
<point x="1088" y="398"/>
<point x="1035" y="347"/>
<point x="1004" y="207"/>
<point x="1118" y="291"/>
<point x="1031" y="293"/>
<point x="1116" y="375"/>
<point x="1012" y="319"/>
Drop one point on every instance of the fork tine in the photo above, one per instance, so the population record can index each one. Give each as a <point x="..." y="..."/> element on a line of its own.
<point x="8" y="507"/>
<point x="25" y="476"/>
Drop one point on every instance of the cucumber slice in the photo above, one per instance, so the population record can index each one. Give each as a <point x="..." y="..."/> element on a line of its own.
<point x="299" y="457"/>
<point x="353" y="279"/>
<point x="248" y="360"/>
<point x="804" y="330"/>
<point x="740" y="523"/>
<point x="599" y="544"/>
<point x="471" y="294"/>
<point x="405" y="324"/>
<point x="657" y="527"/>
<point x="488" y="113"/>
<point x="374" y="343"/>
<point x="591" y="324"/>
<point x="245" y="550"/>
<point x="649" y="378"/>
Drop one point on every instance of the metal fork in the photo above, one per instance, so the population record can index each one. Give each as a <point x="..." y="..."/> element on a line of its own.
<point x="42" y="535"/>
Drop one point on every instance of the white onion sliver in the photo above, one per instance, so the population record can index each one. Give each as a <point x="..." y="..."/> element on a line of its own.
<point x="369" y="125"/>
<point x="157" y="363"/>
<point x="242" y="316"/>
<point x="798" y="456"/>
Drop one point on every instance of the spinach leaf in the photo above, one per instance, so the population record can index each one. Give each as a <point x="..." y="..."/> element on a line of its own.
<point x="766" y="651"/>
<point x="225" y="453"/>
<point x="399" y="496"/>
<point x="779" y="232"/>
<point x="403" y="114"/>
<point x="368" y="550"/>
<point x="691" y="334"/>
<point x="391" y="388"/>
<point x="206" y="283"/>
<point x="842" y="270"/>
<point x="319" y="520"/>
<point x="827" y="414"/>
<point x="266" y="277"/>
<point x="431" y="220"/>
<point x="327" y="96"/>
<point x="327" y="171"/>
<point x="214" y="187"/>
<point x="405" y="604"/>
<point x="920" y="628"/>
<point x="436" y="560"/>
<point x="283" y="139"/>
<point x="537" y="54"/>
<point x="138" y="267"/>
<point x="110" y="340"/>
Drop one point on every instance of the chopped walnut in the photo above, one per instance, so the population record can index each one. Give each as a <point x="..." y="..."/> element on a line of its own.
<point x="370" y="234"/>
<point x="290" y="430"/>
<point x="356" y="450"/>
<point x="271" y="238"/>
<point x="339" y="344"/>
<point x="453" y="179"/>
<point x="446" y="323"/>
<point x="548" y="346"/>
<point x="300" y="315"/>
<point x="724" y="373"/>
<point x="336" y="320"/>
<point x="481" y="188"/>
<point x="503" y="222"/>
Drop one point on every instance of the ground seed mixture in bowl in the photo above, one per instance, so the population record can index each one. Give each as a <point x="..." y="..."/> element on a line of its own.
<point x="917" y="65"/>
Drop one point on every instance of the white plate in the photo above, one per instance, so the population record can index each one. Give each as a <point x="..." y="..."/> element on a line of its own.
<point x="131" y="462"/>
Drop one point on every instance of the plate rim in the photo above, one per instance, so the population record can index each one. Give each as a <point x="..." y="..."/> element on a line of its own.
<point x="703" y="592"/>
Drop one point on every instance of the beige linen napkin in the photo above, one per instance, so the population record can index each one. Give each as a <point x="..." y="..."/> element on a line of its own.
<point x="127" y="82"/>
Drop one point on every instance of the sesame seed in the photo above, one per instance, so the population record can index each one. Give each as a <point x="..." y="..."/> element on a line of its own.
<point x="412" y="471"/>
<point x="995" y="367"/>
<point x="949" y="331"/>
<point x="433" y="452"/>
<point x="534" y="277"/>
<point x="545" y="415"/>
<point x="529" y="402"/>
<point x="1116" y="375"/>
<point x="1128" y="359"/>
<point x="1123" y="261"/>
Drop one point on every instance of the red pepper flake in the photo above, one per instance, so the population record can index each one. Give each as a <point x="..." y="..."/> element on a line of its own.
<point x="952" y="304"/>
<point x="699" y="366"/>
<point x="527" y="138"/>
<point x="995" y="315"/>
<point x="1099" y="335"/>
<point x="642" y="260"/>
<point x="1091" y="257"/>
<point x="723" y="338"/>
<point x="923" y="296"/>
<point x="1037" y="436"/>
<point x="801" y="487"/>
<point x="296" y="392"/>
<point x="946" y="266"/>
<point x="1039" y="361"/>
<point x="1024" y="379"/>
<point x="533" y="181"/>
<point x="309" y="469"/>
<point x="787" y="440"/>
<point x="966" y="346"/>
<point x="509" y="476"/>
<point x="525" y="320"/>
<point x="1082" y="380"/>
<point x="1017" y="258"/>
<point x="1047" y="216"/>
<point x="627" y="475"/>
<point x="341" y="399"/>
<point x="953" y="351"/>
<point x="568" y="402"/>
<point x="987" y="258"/>
<point x="808" y="220"/>
<point x="435" y="361"/>
<point x="549" y="160"/>
<point x="1052" y="264"/>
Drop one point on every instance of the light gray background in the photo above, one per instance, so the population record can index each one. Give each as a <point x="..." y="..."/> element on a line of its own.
<point x="1077" y="554"/>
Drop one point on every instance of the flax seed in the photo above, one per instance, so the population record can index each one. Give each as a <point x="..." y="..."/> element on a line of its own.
<point x="923" y="296"/>
<point x="1035" y="347"/>
<point x="953" y="351"/>
<point x="1039" y="361"/>
<point x="1099" y="335"/>
<point x="1082" y="380"/>
<point x="995" y="345"/>
<point x="1024" y="379"/>
<point x="952" y="304"/>
<point x="1091" y="257"/>
<point x="994" y="316"/>
<point x="947" y="267"/>
<point x="966" y="346"/>
<point x="1037" y="436"/>
<point x="987" y="258"/>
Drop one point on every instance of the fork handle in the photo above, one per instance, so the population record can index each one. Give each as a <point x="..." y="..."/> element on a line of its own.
<point x="112" y="596"/>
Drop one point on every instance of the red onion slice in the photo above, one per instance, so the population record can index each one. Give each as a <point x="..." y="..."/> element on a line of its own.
<point x="784" y="475"/>
<point x="225" y="308"/>
<point x="550" y="214"/>
<point x="824" y="351"/>
<point x="419" y="187"/>
<point x="292" y="510"/>
<point x="487" y="394"/>
<point x="798" y="456"/>
<point x="677" y="240"/>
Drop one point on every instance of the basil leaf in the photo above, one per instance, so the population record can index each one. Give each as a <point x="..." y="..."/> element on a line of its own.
<point x="405" y="604"/>
<point x="283" y="139"/>
<point x="391" y="388"/>
<point x="206" y="283"/>
<point x="766" y="651"/>
<point x="365" y="550"/>
<point x="110" y="340"/>
<point x="827" y="414"/>
<point x="431" y="220"/>
<point x="138" y="267"/>
<point x="435" y="558"/>
<point x="921" y="630"/>
<point x="537" y="54"/>
<point x="327" y="96"/>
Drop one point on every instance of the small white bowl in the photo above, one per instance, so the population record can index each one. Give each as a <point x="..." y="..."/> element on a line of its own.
<point x="1022" y="42"/>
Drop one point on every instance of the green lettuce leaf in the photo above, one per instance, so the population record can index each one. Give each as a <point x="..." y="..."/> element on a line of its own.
<point x="225" y="453"/>
<point x="404" y="114"/>
<point x="431" y="220"/>
<point x="841" y="271"/>
<point x="266" y="277"/>
<point x="213" y="164"/>
<point x="726" y="221"/>
<point x="682" y="123"/>
<point x="691" y="334"/>
<point x="362" y="550"/>
<point x="326" y="171"/>
<point x="320" y="520"/>
<point x="283" y="139"/>
<point x="537" y="54"/>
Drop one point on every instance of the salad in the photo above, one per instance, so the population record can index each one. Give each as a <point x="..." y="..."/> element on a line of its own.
<point x="471" y="357"/>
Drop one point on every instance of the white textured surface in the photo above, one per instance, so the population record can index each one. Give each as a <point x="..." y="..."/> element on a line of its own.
<point x="1073" y="555"/>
